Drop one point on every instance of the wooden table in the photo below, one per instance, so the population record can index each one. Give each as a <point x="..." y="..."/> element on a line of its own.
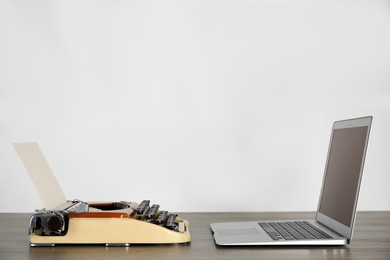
<point x="371" y="241"/>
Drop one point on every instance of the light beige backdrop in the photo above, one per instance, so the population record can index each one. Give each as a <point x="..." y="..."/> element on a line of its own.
<point x="196" y="105"/>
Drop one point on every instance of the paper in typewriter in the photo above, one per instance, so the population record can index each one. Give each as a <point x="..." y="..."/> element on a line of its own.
<point x="41" y="174"/>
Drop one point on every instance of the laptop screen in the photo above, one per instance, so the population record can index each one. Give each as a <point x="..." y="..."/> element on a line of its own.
<point x="342" y="177"/>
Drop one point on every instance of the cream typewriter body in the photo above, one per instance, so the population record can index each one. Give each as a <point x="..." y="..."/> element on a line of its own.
<point x="109" y="223"/>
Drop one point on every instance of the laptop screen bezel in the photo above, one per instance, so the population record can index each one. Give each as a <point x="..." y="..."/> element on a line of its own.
<point x="331" y="223"/>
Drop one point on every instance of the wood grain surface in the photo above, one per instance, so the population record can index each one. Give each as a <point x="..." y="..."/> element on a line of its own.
<point x="371" y="241"/>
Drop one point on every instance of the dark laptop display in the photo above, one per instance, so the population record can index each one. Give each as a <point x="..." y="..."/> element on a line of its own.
<point x="341" y="183"/>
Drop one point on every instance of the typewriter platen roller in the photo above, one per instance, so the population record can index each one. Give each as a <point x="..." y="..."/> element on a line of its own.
<point x="110" y="223"/>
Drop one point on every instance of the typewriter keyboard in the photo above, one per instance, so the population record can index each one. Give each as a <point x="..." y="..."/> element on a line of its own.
<point x="163" y="218"/>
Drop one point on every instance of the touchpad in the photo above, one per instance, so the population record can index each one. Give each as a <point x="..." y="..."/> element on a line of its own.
<point x="237" y="231"/>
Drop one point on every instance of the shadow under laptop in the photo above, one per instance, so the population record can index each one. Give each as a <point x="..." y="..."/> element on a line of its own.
<point x="312" y="252"/>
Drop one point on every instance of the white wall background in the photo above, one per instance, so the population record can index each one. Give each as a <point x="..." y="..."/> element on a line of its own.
<point x="196" y="105"/>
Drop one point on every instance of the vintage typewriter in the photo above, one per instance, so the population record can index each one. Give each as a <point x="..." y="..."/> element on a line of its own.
<point x="110" y="223"/>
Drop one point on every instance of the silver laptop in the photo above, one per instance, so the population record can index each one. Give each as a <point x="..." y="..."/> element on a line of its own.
<point x="334" y="221"/>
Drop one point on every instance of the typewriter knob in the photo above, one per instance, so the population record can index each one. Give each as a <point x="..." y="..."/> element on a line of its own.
<point x="54" y="223"/>
<point x="37" y="229"/>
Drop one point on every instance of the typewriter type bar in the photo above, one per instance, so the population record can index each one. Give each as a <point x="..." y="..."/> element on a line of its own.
<point x="142" y="207"/>
<point x="162" y="218"/>
<point x="152" y="212"/>
<point x="171" y="221"/>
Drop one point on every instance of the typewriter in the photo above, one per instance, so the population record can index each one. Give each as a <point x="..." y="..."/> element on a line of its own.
<point x="110" y="223"/>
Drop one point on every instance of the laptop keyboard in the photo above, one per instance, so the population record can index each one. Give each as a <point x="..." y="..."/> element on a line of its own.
<point x="296" y="230"/>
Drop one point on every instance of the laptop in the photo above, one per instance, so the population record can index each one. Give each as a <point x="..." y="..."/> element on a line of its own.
<point x="335" y="217"/>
